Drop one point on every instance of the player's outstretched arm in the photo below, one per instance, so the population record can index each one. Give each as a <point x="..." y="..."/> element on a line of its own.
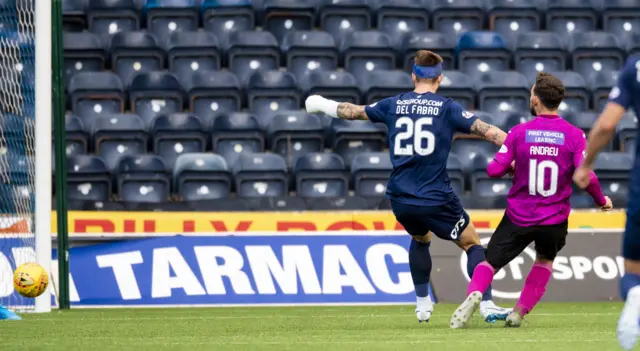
<point x="344" y="110"/>
<point x="488" y="132"/>
<point x="347" y="110"/>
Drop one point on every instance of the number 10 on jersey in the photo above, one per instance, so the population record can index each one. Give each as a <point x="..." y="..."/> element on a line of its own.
<point x="537" y="173"/>
<point x="414" y="130"/>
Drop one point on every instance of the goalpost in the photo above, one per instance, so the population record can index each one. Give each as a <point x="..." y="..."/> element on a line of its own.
<point x="25" y="145"/>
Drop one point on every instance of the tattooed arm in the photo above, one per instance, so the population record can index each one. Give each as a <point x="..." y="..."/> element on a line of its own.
<point x="348" y="110"/>
<point x="376" y="112"/>
<point x="488" y="132"/>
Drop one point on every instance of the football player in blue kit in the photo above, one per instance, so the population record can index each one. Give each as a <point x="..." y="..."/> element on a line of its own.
<point x="625" y="95"/>
<point x="421" y="128"/>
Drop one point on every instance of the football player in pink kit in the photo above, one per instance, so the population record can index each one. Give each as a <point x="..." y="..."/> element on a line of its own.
<point x="546" y="151"/>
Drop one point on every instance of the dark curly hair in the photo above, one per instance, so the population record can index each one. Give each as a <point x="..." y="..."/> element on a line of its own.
<point x="549" y="90"/>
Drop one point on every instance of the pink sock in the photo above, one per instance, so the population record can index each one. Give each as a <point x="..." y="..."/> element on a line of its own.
<point x="534" y="287"/>
<point x="482" y="277"/>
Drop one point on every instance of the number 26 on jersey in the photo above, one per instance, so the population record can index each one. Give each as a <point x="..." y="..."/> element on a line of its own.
<point x="416" y="139"/>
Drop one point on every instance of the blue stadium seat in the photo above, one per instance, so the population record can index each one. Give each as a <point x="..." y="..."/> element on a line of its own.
<point x="321" y="174"/>
<point x="191" y="53"/>
<point x="260" y="175"/>
<point x="577" y="95"/>
<point x="340" y="203"/>
<point x="601" y="84"/>
<point x="367" y="51"/>
<point x="511" y="18"/>
<point x="213" y="93"/>
<point x="503" y="91"/>
<point x="235" y="134"/>
<point x="594" y="52"/>
<point x="342" y="17"/>
<point x="613" y="169"/>
<point x="583" y="201"/>
<point x="202" y="176"/>
<point x="351" y="138"/>
<point x="583" y="120"/>
<point x="507" y="120"/>
<point x="252" y="51"/>
<point x="466" y="151"/>
<point x="484" y="186"/>
<point x="96" y="93"/>
<point x="177" y="134"/>
<point x="370" y="173"/>
<point x="474" y="202"/>
<point x="628" y="133"/>
<point x="75" y="131"/>
<point x="88" y="178"/>
<point x="272" y="91"/>
<point x="228" y="205"/>
<point x="456" y="174"/>
<point x="223" y="17"/>
<point x="17" y="192"/>
<point x="74" y="18"/>
<point x="288" y="16"/>
<point x="621" y="17"/>
<point x="458" y="86"/>
<point x="133" y="53"/>
<point x="164" y="17"/>
<point x="456" y="17"/>
<point x="436" y="42"/>
<point x="309" y="51"/>
<point x="633" y="44"/>
<point x="278" y="203"/>
<point x="292" y="136"/>
<point x="400" y="18"/>
<point x="116" y="136"/>
<point x="482" y="52"/>
<point x="80" y="205"/>
<point x="142" y="178"/>
<point x="155" y="93"/>
<point x="567" y="17"/>
<point x="539" y="52"/>
<point x="82" y="52"/>
<point x="337" y="85"/>
<point x="108" y="17"/>
<point x="378" y="85"/>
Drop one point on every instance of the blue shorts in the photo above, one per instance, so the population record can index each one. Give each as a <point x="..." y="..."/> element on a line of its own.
<point x="446" y="221"/>
<point x="631" y="240"/>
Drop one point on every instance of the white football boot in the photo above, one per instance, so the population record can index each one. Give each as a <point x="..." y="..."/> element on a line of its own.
<point x="492" y="312"/>
<point x="424" y="309"/>
<point x="628" y="328"/>
<point x="464" y="312"/>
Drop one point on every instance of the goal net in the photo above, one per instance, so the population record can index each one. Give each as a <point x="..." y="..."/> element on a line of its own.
<point x="23" y="164"/>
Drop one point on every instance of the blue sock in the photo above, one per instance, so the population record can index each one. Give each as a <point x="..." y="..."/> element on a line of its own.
<point x="627" y="282"/>
<point x="420" y="266"/>
<point x="475" y="255"/>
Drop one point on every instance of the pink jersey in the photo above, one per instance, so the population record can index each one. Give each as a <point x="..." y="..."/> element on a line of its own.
<point x="546" y="151"/>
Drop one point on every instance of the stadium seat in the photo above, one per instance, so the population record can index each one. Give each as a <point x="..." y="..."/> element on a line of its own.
<point x="165" y="17"/>
<point x="309" y="51"/>
<point x="594" y="52"/>
<point x="567" y="17"/>
<point x="223" y="17"/>
<point x="282" y="17"/>
<point x="228" y="205"/>
<point x="177" y="134"/>
<point x="400" y="18"/>
<point x="292" y="136"/>
<point x="539" y="52"/>
<point x="252" y="51"/>
<point x="142" y="178"/>
<point x="272" y="91"/>
<point x="367" y="51"/>
<point x="475" y="202"/>
<point x="88" y="179"/>
<point x="484" y="186"/>
<point x="108" y="17"/>
<point x="466" y="151"/>
<point x="75" y="131"/>
<point x="511" y="18"/>
<point x="577" y="93"/>
<point x="370" y="173"/>
<point x="342" y="17"/>
<point x="613" y="169"/>
<point x="167" y="206"/>
<point x="583" y="120"/>
<point x="201" y="176"/>
<point x="621" y="17"/>
<point x="336" y="85"/>
<point x="94" y="94"/>
<point x="633" y="44"/>
<point x="628" y="133"/>
<point x="456" y="174"/>
<point x="155" y="93"/>
<point x="456" y="17"/>
<point x="583" y="201"/>
<point x="351" y="138"/>
<point x="380" y="84"/>
<point x="74" y="18"/>
<point x="601" y="84"/>
<point x="133" y="53"/>
<point x="213" y="93"/>
<point x="482" y="52"/>
<point x="116" y="136"/>
<point x="507" y="120"/>
<point x="82" y="52"/>
<point x="436" y="42"/>
<point x="17" y="194"/>
<point x="342" y="203"/>
<point x="236" y="133"/>
<point x="279" y="203"/>
<point x="320" y="175"/>
<point x="458" y="86"/>
<point x="79" y="205"/>
<point x="191" y="53"/>
<point x="503" y="91"/>
<point x="260" y="175"/>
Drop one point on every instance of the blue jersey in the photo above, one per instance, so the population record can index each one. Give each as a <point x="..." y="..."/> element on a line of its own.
<point x="626" y="93"/>
<point x="421" y="129"/>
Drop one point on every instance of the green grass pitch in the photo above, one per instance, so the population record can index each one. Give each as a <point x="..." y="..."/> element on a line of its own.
<point x="551" y="327"/>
